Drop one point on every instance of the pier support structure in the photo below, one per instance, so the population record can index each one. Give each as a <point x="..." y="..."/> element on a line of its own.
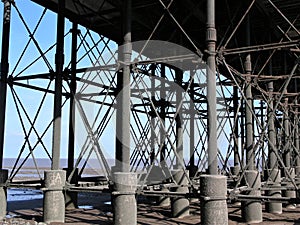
<point x="213" y="186"/>
<point x="3" y="95"/>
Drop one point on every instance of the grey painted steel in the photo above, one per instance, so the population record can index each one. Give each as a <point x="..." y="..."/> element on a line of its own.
<point x="213" y="190"/>
<point x="59" y="63"/>
<point x="236" y="159"/>
<point x="4" y="72"/>
<point x="252" y="209"/>
<point x="249" y="117"/>
<point x="71" y="198"/>
<point x="124" y="200"/>
<point x="54" y="199"/>
<point x="73" y="85"/>
<point x="296" y="138"/>
<point x="288" y="193"/>
<point x="163" y="200"/>
<point x="180" y="206"/>
<point x="274" y="177"/>
<point x="249" y="106"/>
<point x="287" y="145"/>
<point x="271" y="131"/>
<point x="211" y="38"/>
<point x="123" y="100"/>
<point x="179" y="121"/>
<point x="3" y="197"/>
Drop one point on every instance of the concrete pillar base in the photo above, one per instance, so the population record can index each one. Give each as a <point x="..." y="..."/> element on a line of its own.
<point x="180" y="206"/>
<point x="124" y="199"/>
<point x="297" y="171"/>
<point x="213" y="189"/>
<point x="71" y="198"/>
<point x="54" y="200"/>
<point x="291" y="194"/>
<point x="235" y="170"/>
<point x="274" y="176"/>
<point x="252" y="210"/>
<point x="3" y="194"/>
<point x="163" y="200"/>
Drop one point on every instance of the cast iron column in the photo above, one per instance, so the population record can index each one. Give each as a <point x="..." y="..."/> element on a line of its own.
<point x="124" y="201"/>
<point x="251" y="210"/>
<point x="71" y="197"/>
<point x="59" y="62"/>
<point x="212" y="185"/>
<point x="287" y="154"/>
<point x="179" y="120"/>
<point x="211" y="38"/>
<point x="236" y="161"/>
<point x="3" y="93"/>
<point x="55" y="179"/>
<point x="274" y="174"/>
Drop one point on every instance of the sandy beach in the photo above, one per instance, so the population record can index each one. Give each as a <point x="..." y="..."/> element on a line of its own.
<point x="95" y="208"/>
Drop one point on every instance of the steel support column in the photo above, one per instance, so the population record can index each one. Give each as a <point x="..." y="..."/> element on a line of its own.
<point x="212" y="185"/>
<point x="3" y="94"/>
<point x="163" y="200"/>
<point x="296" y="139"/>
<point x="73" y="85"/>
<point x="71" y="197"/>
<point x="124" y="201"/>
<point x="211" y="38"/>
<point x="59" y="63"/>
<point x="179" y="121"/>
<point x="274" y="174"/>
<point x="123" y="99"/>
<point x="236" y="158"/>
<point x="251" y="210"/>
<point x="4" y="73"/>
<point x="287" y="153"/>
<point x="54" y="201"/>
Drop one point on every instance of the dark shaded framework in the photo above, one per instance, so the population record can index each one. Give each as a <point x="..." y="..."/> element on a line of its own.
<point x="255" y="101"/>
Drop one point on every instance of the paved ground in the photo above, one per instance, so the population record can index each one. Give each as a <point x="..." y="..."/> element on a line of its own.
<point x="30" y="212"/>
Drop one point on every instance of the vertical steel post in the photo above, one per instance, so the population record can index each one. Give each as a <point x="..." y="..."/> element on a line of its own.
<point x="274" y="174"/>
<point x="211" y="38"/>
<point x="3" y="93"/>
<point x="179" y="120"/>
<point x="71" y="197"/>
<point x="212" y="185"/>
<point x="163" y="112"/>
<point x="72" y="96"/>
<point x="124" y="201"/>
<point x="192" y="167"/>
<point x="163" y="200"/>
<point x="153" y="115"/>
<point x="296" y="139"/>
<point x="55" y="179"/>
<point x="286" y="122"/>
<point x="287" y="154"/>
<point x="251" y="210"/>
<point x="59" y="62"/>
<point x="123" y="100"/>
<point x="236" y="161"/>
<point x="4" y="73"/>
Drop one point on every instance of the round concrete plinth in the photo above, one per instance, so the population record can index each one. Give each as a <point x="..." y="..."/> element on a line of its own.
<point x="275" y="177"/>
<point x="180" y="206"/>
<point x="3" y="198"/>
<point x="213" y="190"/>
<point x="124" y="199"/>
<point x="252" y="210"/>
<point x="54" y="199"/>
<point x="291" y="194"/>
